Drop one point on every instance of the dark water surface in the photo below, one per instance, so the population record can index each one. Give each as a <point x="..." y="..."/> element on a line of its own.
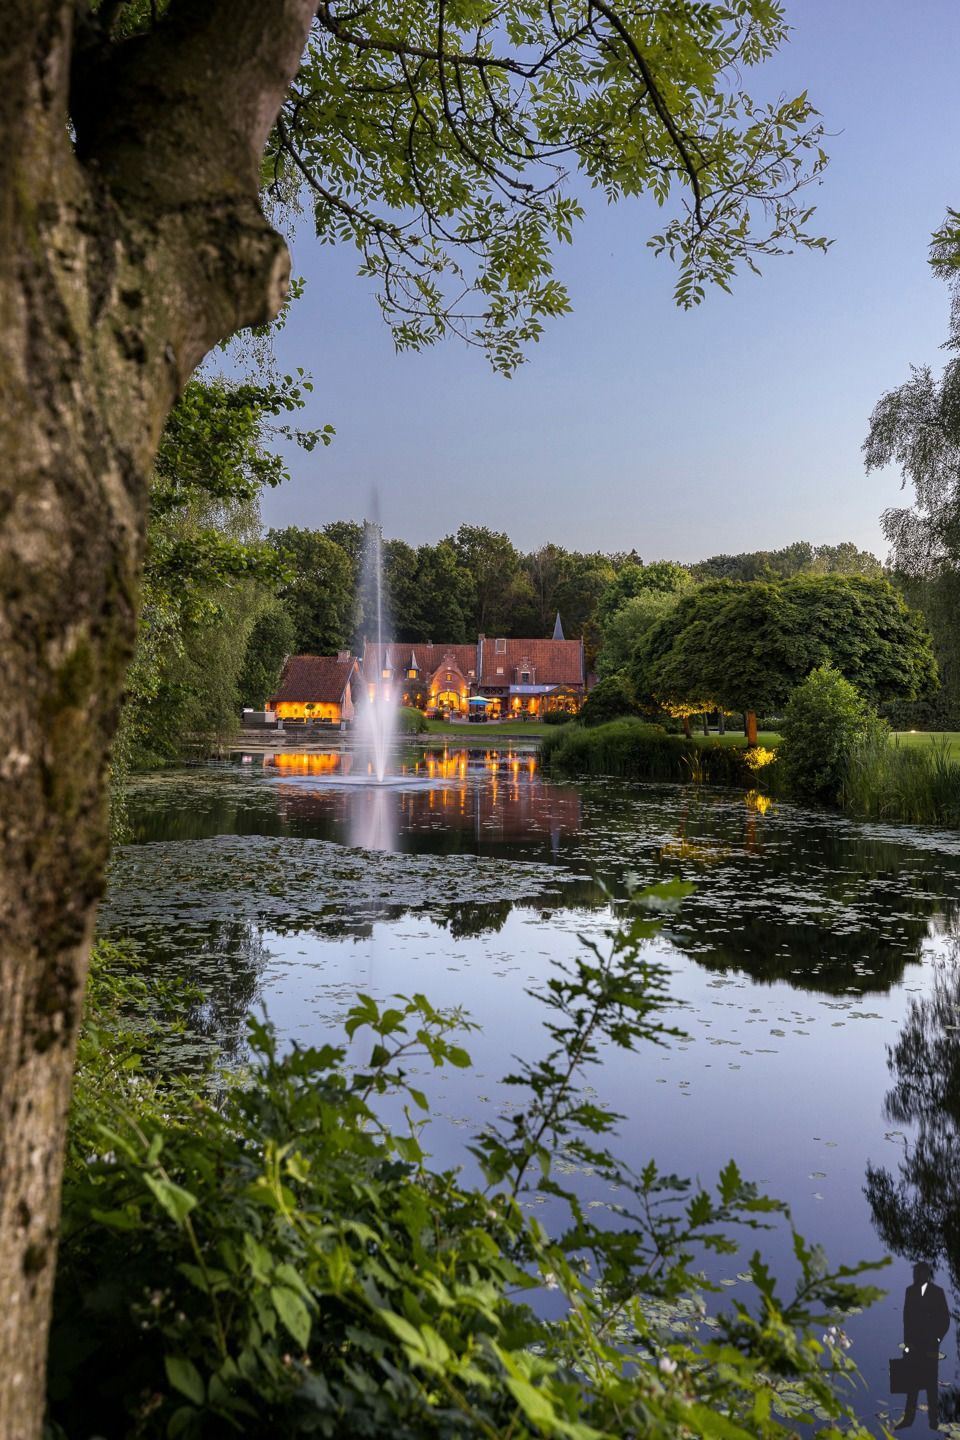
<point x="816" y="963"/>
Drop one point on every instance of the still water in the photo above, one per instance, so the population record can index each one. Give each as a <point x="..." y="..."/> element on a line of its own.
<point x="815" y="970"/>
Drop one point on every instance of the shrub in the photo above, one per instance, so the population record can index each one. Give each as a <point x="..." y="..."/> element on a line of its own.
<point x="609" y="699"/>
<point x="558" y="717"/>
<point x="637" y="750"/>
<point x="269" y="1257"/>
<point x="824" y="718"/>
<point x="410" y="721"/>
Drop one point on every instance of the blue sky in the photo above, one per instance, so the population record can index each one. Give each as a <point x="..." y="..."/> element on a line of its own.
<point x="636" y="425"/>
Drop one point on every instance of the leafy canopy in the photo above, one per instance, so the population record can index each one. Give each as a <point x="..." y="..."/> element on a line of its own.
<point x="748" y="645"/>
<point x="917" y="428"/>
<point x="452" y="142"/>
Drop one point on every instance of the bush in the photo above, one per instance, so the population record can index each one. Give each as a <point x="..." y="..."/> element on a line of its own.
<point x="558" y="717"/>
<point x="638" y="750"/>
<point x="609" y="699"/>
<point x="268" y="1257"/>
<point x="825" y="718"/>
<point x="411" y="721"/>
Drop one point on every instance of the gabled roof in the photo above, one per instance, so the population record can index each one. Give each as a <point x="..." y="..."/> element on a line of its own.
<point x="425" y="658"/>
<point x="321" y="678"/>
<point x="558" y="628"/>
<point x="553" y="662"/>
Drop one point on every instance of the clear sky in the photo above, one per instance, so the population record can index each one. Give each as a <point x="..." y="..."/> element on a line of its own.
<point x="635" y="425"/>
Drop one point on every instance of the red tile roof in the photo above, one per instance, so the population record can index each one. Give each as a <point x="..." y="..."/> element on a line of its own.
<point x="429" y="658"/>
<point x="550" y="662"/>
<point x="313" y="677"/>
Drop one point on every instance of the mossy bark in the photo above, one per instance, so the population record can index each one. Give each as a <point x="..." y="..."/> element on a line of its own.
<point x="131" y="240"/>
<point x="750" y="726"/>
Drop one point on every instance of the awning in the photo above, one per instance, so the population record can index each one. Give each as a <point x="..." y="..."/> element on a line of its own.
<point x="532" y="689"/>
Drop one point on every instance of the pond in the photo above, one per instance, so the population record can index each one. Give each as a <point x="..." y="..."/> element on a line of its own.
<point x="814" y="969"/>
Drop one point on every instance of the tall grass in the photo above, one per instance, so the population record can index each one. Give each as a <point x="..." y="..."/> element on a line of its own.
<point x="889" y="781"/>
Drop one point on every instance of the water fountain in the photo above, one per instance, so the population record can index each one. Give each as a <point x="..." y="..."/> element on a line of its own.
<point x="377" y="718"/>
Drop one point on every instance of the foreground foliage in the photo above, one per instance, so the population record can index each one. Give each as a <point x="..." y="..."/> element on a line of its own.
<point x="274" y="1253"/>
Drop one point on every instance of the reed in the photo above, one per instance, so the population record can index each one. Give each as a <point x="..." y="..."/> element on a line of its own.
<point x="889" y="781"/>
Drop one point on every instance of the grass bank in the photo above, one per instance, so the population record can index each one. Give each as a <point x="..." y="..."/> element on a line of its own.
<point x="635" y="750"/>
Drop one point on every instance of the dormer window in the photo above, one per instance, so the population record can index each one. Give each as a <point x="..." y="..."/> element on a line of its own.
<point x="500" y="648"/>
<point x="524" y="677"/>
<point x="412" y="674"/>
<point x="386" y="674"/>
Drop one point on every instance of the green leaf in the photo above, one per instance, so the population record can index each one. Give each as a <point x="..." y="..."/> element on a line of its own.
<point x="185" y="1377"/>
<point x="175" y="1200"/>
<point x="408" y="1334"/>
<point x="293" y="1313"/>
<point x="535" y="1405"/>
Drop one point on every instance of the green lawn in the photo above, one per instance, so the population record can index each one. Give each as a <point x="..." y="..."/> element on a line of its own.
<point x="477" y="734"/>
<point x="769" y="738"/>
<point x="926" y="737"/>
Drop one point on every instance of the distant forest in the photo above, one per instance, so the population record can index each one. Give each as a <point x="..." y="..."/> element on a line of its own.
<point x="478" y="582"/>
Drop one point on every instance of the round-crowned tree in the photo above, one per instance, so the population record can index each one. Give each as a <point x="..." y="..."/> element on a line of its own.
<point x="748" y="645"/>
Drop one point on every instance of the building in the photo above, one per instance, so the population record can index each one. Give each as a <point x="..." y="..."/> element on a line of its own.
<point x="499" y="676"/>
<point x="431" y="677"/>
<point x="531" y="677"/>
<point x="317" y="688"/>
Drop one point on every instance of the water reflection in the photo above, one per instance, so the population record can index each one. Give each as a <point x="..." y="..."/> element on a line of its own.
<point x="265" y="883"/>
<point x="781" y="894"/>
<point x="477" y="799"/>
<point x="917" y="1210"/>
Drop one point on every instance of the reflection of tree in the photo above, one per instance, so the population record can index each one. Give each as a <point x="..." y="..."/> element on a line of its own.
<point x="225" y="960"/>
<point x="473" y="919"/>
<point x="809" y="956"/>
<point x="917" y="1212"/>
<point x="830" y="911"/>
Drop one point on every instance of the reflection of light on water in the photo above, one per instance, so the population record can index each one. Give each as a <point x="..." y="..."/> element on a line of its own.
<point x="327" y="762"/>
<point x="372" y="821"/>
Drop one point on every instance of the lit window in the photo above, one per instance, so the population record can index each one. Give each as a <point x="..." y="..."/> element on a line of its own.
<point x="499" y="669"/>
<point x="385" y="674"/>
<point x="411" y="674"/>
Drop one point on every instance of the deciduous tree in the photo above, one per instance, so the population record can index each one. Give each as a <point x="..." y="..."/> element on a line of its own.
<point x="746" y="646"/>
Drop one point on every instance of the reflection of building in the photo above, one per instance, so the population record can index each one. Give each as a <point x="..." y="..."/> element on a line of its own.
<point x="496" y="796"/>
<point x="498" y="676"/>
<point x="317" y="688"/>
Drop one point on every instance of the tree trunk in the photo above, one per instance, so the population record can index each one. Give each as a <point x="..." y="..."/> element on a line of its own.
<point x="686" y="725"/>
<point x="706" y="724"/>
<point x="118" y="270"/>
<point x="750" y="726"/>
<point x="721" y="723"/>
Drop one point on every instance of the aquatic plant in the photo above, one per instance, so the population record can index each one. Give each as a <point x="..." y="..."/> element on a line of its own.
<point x="889" y="781"/>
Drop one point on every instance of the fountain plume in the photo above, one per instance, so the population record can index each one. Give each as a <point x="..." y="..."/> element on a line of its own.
<point x="377" y="721"/>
